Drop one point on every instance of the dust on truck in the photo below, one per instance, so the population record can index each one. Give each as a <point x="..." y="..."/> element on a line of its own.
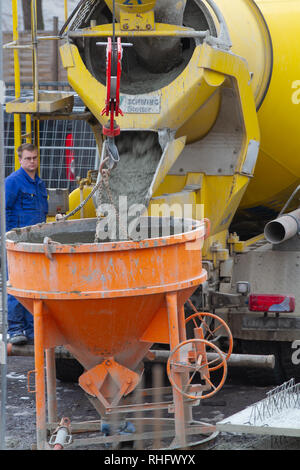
<point x="217" y="83"/>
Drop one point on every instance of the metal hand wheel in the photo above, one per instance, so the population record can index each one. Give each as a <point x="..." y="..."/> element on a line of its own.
<point x="188" y="361"/>
<point x="213" y="328"/>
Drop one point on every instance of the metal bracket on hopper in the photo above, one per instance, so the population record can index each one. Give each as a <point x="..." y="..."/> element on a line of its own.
<point x="105" y="378"/>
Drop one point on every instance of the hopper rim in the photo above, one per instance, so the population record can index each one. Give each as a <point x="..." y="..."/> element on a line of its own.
<point x="198" y="231"/>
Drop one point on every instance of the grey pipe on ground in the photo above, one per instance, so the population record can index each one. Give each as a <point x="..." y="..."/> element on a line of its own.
<point x="235" y="360"/>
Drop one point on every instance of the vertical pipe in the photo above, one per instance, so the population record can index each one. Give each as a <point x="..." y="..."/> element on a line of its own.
<point x="3" y="342"/>
<point x="174" y="332"/>
<point x="51" y="385"/>
<point x="40" y="374"/>
<point x="81" y="200"/>
<point x="35" y="78"/>
<point x="188" y="410"/>
<point x="66" y="10"/>
<point x="16" y="52"/>
<point x="28" y="129"/>
<point x="157" y="397"/>
<point x="34" y="55"/>
<point x="17" y="72"/>
<point x="55" y="51"/>
<point x="37" y="142"/>
<point x="182" y="327"/>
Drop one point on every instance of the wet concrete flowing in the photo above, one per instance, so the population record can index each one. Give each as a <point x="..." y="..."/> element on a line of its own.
<point x="120" y="207"/>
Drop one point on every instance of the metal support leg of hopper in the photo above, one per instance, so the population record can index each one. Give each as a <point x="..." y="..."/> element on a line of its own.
<point x="41" y="432"/>
<point x="175" y="327"/>
<point x="51" y="385"/>
<point x="182" y="337"/>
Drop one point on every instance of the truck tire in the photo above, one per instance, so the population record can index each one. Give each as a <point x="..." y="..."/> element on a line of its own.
<point x="68" y="370"/>
<point x="264" y="377"/>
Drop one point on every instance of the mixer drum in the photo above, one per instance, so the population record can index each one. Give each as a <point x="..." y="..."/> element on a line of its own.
<point x="255" y="30"/>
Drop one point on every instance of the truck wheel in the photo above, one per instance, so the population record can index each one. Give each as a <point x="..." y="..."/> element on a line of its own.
<point x="264" y="377"/>
<point x="68" y="370"/>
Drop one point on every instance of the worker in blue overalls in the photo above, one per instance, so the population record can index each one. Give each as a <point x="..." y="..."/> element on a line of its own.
<point x="26" y="204"/>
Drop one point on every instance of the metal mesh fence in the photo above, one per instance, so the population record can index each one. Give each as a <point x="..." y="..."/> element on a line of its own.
<point x="8" y="143"/>
<point x="68" y="150"/>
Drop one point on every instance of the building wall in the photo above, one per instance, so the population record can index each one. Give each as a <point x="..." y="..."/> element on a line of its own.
<point x="49" y="62"/>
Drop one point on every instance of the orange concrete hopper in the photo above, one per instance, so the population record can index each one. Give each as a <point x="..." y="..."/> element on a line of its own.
<point x="107" y="303"/>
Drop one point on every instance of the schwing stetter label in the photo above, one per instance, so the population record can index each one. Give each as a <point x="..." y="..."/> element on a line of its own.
<point x="140" y="104"/>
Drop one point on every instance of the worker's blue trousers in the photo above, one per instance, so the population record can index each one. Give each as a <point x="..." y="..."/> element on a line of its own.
<point x="20" y="321"/>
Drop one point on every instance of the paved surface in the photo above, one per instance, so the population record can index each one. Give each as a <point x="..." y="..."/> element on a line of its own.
<point x="20" y="418"/>
<point x="20" y="411"/>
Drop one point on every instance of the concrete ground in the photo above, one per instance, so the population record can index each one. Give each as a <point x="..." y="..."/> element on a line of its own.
<point x="234" y="397"/>
<point x="20" y="411"/>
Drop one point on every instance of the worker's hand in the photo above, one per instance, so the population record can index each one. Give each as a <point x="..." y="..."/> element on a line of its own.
<point x="59" y="217"/>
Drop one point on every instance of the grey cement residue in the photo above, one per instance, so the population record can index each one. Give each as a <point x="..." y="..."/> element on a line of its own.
<point x="166" y="227"/>
<point x="73" y="238"/>
<point x="63" y="237"/>
<point x="140" y="154"/>
<point x="82" y="231"/>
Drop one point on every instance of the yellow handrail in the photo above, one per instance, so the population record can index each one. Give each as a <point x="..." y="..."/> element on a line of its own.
<point x="17" y="117"/>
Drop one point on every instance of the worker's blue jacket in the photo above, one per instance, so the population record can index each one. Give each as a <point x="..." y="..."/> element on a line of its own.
<point x="25" y="200"/>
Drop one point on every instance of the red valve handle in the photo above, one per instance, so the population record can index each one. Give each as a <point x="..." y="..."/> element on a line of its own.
<point x="112" y="103"/>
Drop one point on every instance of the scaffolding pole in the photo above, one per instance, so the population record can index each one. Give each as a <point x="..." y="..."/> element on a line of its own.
<point x="17" y="71"/>
<point x="3" y="343"/>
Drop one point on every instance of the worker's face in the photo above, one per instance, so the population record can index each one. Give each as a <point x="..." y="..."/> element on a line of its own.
<point x="29" y="161"/>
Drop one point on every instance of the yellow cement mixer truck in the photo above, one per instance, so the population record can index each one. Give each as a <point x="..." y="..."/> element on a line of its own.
<point x="216" y="83"/>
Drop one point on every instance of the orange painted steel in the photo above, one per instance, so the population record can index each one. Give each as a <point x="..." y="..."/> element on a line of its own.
<point x="211" y="332"/>
<point x="181" y="359"/>
<point x="106" y="303"/>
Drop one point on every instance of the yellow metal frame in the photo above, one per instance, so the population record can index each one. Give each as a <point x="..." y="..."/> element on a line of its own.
<point x="174" y="112"/>
<point x="238" y="246"/>
<point x="17" y="119"/>
<point x="66" y="9"/>
<point x="39" y="104"/>
<point x="161" y="30"/>
<point x="18" y="137"/>
<point x="209" y="67"/>
<point x="137" y="21"/>
<point x="133" y="6"/>
<point x="135" y="15"/>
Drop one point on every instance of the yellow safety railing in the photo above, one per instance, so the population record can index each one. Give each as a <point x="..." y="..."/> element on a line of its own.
<point x="16" y="46"/>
